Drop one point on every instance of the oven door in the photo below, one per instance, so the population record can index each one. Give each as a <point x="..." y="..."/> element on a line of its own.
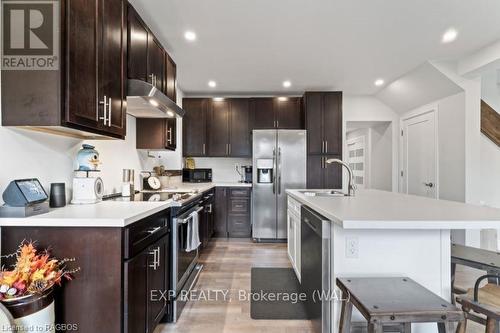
<point x="184" y="261"/>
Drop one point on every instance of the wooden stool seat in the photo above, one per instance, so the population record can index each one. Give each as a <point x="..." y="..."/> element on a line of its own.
<point x="394" y="301"/>
<point x="488" y="295"/>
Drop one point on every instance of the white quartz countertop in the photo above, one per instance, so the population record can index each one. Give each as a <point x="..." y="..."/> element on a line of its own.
<point x="102" y="214"/>
<point x="108" y="213"/>
<point x="374" y="209"/>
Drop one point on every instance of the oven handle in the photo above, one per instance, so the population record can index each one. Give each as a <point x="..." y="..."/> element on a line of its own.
<point x="184" y="218"/>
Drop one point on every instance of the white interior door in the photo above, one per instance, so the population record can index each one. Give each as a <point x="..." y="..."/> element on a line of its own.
<point x="420" y="155"/>
<point x="356" y="150"/>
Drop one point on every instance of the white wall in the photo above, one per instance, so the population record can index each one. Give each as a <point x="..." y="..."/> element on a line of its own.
<point x="369" y="108"/>
<point x="381" y="156"/>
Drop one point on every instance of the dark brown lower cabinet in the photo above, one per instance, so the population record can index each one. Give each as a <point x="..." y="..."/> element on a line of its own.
<point x="321" y="175"/>
<point x="206" y="227"/>
<point x="233" y="212"/>
<point x="220" y="223"/>
<point x="123" y="271"/>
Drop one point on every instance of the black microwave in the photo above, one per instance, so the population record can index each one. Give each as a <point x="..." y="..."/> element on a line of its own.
<point x="197" y="175"/>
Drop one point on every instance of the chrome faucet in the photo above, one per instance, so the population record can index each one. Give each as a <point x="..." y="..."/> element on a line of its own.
<point x="351" y="187"/>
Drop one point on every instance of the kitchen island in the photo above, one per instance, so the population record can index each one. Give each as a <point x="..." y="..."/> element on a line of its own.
<point x="378" y="233"/>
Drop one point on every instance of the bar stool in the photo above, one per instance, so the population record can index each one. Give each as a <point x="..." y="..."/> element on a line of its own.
<point x="394" y="302"/>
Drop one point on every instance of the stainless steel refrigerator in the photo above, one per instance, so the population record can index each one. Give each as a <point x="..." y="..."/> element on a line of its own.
<point x="279" y="163"/>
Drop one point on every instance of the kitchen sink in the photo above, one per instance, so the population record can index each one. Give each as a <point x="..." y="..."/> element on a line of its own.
<point x="323" y="193"/>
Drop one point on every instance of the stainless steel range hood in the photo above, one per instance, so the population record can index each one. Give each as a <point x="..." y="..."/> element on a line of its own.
<point x="145" y="101"/>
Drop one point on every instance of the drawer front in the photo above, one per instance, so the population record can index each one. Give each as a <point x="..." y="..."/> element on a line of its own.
<point x="239" y="206"/>
<point x="239" y="226"/>
<point x="140" y="234"/>
<point x="239" y="192"/>
<point x="294" y="206"/>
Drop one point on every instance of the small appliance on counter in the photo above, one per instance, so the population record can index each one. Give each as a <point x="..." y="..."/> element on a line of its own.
<point x="247" y="172"/>
<point x="128" y="182"/>
<point x="23" y="198"/>
<point x="150" y="182"/>
<point x="57" y="195"/>
<point x="88" y="187"/>
<point x="197" y="175"/>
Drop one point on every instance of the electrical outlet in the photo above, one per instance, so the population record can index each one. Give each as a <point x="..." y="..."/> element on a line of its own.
<point x="352" y="247"/>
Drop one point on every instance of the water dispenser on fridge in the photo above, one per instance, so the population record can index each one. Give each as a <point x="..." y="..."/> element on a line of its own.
<point x="265" y="171"/>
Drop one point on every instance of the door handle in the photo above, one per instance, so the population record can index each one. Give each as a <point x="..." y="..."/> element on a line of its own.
<point x="430" y="184"/>
<point x="104" y="102"/>
<point x="109" y="111"/>
<point x="274" y="171"/>
<point x="279" y="170"/>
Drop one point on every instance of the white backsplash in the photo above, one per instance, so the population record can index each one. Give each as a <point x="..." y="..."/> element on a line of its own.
<point x="223" y="169"/>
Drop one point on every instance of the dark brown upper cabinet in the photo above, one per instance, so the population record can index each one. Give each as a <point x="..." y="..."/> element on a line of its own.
<point x="170" y="88"/>
<point x="240" y="131"/>
<point x="263" y="113"/>
<point x="156" y="133"/>
<point x="323" y="112"/>
<point x="137" y="46"/>
<point x="194" y="127"/>
<point x="217" y="128"/>
<point x="85" y="96"/>
<point x="147" y="59"/>
<point x="156" y="63"/>
<point x="277" y="113"/>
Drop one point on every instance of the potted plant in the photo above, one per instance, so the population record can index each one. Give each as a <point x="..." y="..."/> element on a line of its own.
<point x="26" y="290"/>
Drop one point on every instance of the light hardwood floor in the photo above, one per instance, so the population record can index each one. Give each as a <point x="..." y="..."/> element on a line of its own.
<point x="227" y="265"/>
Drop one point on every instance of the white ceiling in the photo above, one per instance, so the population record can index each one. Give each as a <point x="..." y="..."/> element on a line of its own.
<point x="418" y="87"/>
<point x="252" y="46"/>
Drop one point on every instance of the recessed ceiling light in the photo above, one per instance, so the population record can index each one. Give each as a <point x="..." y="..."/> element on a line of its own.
<point x="212" y="84"/>
<point x="287" y="84"/>
<point x="449" y="36"/>
<point x="170" y="114"/>
<point x="282" y="99"/>
<point x="218" y="99"/>
<point x="153" y="102"/>
<point x="190" y="36"/>
<point x="379" y="82"/>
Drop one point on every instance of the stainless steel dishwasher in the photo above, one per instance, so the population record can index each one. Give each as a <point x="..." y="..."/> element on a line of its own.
<point x="316" y="274"/>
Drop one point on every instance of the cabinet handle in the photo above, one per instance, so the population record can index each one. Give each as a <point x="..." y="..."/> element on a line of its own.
<point x="105" y="113"/>
<point x="326" y="146"/>
<point x="277" y="123"/>
<point x="322" y="147"/>
<point x="229" y="149"/>
<point x="109" y="111"/>
<point x="152" y="78"/>
<point x="154" y="264"/>
<point x="203" y="149"/>
<point x="169" y="132"/>
<point x="153" y="230"/>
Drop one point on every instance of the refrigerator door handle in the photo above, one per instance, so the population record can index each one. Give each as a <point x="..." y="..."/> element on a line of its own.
<point x="279" y="170"/>
<point x="274" y="171"/>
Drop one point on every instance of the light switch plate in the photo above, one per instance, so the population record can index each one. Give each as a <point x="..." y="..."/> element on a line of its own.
<point x="352" y="247"/>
